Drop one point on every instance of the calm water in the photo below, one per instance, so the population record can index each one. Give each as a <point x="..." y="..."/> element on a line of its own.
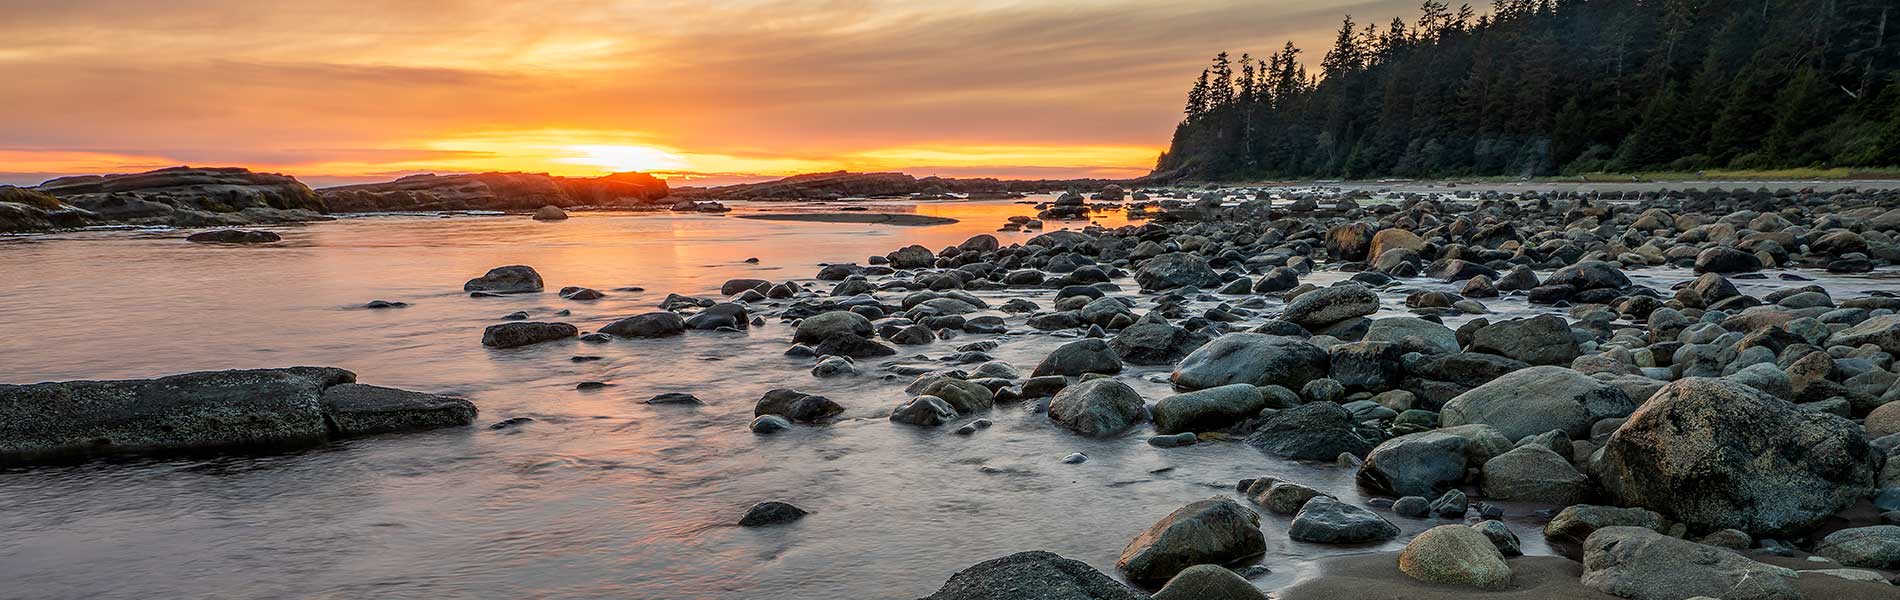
<point x="603" y="496"/>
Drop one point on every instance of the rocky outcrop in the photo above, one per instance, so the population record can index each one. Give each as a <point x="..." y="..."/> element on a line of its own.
<point x="498" y="191"/>
<point x="23" y="210"/>
<point x="189" y="197"/>
<point x="213" y="409"/>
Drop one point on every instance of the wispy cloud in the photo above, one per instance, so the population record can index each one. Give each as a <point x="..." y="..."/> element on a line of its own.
<point x="321" y="85"/>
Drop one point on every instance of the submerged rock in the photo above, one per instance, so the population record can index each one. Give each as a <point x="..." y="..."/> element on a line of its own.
<point x="512" y="279"/>
<point x="234" y="236"/>
<point x="771" y="512"/>
<point x="514" y="335"/>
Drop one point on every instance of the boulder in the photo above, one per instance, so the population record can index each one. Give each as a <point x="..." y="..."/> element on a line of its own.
<point x="1717" y="454"/>
<point x="1215" y="531"/>
<point x="1319" y="308"/>
<point x="1253" y="358"/>
<point x="1090" y="355"/>
<point x="1209" y="582"/>
<point x="1398" y="329"/>
<point x="1875" y="547"/>
<point x="924" y="411"/>
<point x="1316" y="431"/>
<point x="649" y="325"/>
<point x="1576" y="522"/>
<point x="1324" y="520"/>
<point x="1175" y="270"/>
<point x="1534" y="473"/>
<point x="1880" y="331"/>
<point x="1536" y="400"/>
<point x="1638" y="563"/>
<point x="550" y="213"/>
<point x="1097" y="407"/>
<point x="512" y="279"/>
<point x="526" y="333"/>
<point x="1152" y="343"/>
<point x="1455" y="555"/>
<point x="796" y="406"/>
<point x="816" y="328"/>
<point x="1539" y="340"/>
<point x="771" y="512"/>
<point x="1032" y="576"/>
<point x="1420" y="464"/>
<point x="1211" y="409"/>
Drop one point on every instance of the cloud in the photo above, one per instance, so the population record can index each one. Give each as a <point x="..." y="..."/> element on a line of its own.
<point x="326" y="84"/>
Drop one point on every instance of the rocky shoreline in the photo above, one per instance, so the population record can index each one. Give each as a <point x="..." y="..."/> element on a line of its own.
<point x="1671" y="440"/>
<point x="1685" y="437"/>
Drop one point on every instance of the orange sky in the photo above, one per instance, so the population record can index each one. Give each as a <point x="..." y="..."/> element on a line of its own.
<point x="343" y="92"/>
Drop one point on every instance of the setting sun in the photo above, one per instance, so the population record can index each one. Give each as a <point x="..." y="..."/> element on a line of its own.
<point x="626" y="158"/>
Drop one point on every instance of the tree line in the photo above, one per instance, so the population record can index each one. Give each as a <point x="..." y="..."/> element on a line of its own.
<point x="1559" y="87"/>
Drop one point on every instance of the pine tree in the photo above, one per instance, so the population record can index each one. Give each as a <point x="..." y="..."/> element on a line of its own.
<point x="1197" y="98"/>
<point x="1220" y="91"/>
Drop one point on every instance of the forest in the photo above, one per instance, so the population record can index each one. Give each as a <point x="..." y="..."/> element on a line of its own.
<point x="1558" y="88"/>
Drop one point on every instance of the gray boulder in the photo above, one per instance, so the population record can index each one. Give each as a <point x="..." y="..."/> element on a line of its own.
<point x="1317" y="431"/>
<point x="1536" y="400"/>
<point x="1421" y="464"/>
<point x="1319" y="308"/>
<point x="649" y="325"/>
<point x="1717" y="454"/>
<point x="1209" y="582"/>
<point x="1534" y="473"/>
<point x="1079" y="357"/>
<point x="816" y="328"/>
<point x="1151" y="343"/>
<point x="514" y="335"/>
<point x="1210" y="409"/>
<point x="512" y="279"/>
<point x="1455" y="555"/>
<point x="1174" y="270"/>
<point x="1253" y="358"/>
<point x="1032" y="576"/>
<point x="1327" y="521"/>
<point x="1097" y="408"/>
<point x="1215" y="531"/>
<point x="1539" y="340"/>
<point x="1875" y="547"/>
<point x="1638" y="563"/>
<point x="924" y="411"/>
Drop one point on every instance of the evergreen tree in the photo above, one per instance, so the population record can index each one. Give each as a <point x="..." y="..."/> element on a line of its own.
<point x="1560" y="86"/>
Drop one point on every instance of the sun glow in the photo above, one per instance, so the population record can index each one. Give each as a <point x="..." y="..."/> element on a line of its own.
<point x="625" y="158"/>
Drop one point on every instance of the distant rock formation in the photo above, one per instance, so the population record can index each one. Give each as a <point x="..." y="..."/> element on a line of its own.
<point x="838" y="185"/>
<point x="497" y="191"/>
<point x="188" y="197"/>
<point x="23" y="210"/>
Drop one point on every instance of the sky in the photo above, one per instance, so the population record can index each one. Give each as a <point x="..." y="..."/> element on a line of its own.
<point x="702" y="92"/>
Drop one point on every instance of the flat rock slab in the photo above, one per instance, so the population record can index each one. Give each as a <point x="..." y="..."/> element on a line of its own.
<point x="907" y="220"/>
<point x="212" y="409"/>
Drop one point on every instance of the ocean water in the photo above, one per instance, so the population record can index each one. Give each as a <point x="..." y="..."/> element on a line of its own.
<point x="602" y="496"/>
